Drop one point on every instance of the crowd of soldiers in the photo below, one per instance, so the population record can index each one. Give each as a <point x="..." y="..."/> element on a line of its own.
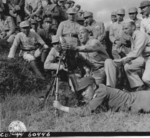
<point x="50" y="30"/>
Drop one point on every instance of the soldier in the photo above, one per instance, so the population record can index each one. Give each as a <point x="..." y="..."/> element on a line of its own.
<point x="97" y="29"/>
<point x="93" y="55"/>
<point x="32" y="7"/>
<point x="7" y="27"/>
<point x="51" y="62"/>
<point x="135" y="61"/>
<point x="121" y="42"/>
<point x="45" y="34"/>
<point x="145" y="9"/>
<point x="133" y="16"/>
<point x="108" y="42"/>
<point x="16" y="10"/>
<point x="62" y="10"/>
<point x="115" y="99"/>
<point x="52" y="9"/>
<point x="29" y="50"/>
<point x="34" y="25"/>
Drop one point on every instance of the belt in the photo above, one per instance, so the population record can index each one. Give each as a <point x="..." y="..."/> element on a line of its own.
<point x="70" y="35"/>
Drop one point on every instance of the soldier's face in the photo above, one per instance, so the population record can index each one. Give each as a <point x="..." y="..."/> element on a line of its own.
<point x="71" y="17"/>
<point x="133" y="16"/>
<point x="127" y="28"/>
<point x="88" y="19"/>
<point x="88" y="93"/>
<point x="83" y="36"/>
<point x="120" y="17"/>
<point x="25" y="30"/>
<point x="114" y="18"/>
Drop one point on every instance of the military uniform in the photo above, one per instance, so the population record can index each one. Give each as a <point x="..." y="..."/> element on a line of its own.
<point x="97" y="29"/>
<point x="140" y="54"/>
<point x="95" y="60"/>
<point x="116" y="100"/>
<point x="29" y="49"/>
<point x="116" y="34"/>
<point x="137" y="21"/>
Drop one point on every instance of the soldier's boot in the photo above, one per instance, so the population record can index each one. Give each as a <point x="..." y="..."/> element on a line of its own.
<point x="36" y="70"/>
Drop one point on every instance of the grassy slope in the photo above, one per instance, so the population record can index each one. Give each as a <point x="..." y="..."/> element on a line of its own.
<point x="26" y="108"/>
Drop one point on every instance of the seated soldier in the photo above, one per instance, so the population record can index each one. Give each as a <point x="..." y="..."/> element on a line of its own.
<point x="7" y="27"/>
<point x="52" y="60"/>
<point x="29" y="41"/>
<point x="115" y="99"/>
<point x="137" y="59"/>
<point x="92" y="53"/>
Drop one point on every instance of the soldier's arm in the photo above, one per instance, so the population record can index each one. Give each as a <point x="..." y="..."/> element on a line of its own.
<point x="94" y="46"/>
<point x="97" y="100"/>
<point x="14" y="46"/>
<point x="11" y="25"/>
<point x="139" y="46"/>
<point x="39" y="8"/>
<point x="60" y="29"/>
<point x="111" y="35"/>
<point x="40" y="40"/>
<point x="26" y="9"/>
<point x="21" y="3"/>
<point x="49" y="62"/>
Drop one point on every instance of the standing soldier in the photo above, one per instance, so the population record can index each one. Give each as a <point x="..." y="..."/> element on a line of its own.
<point x="97" y="29"/>
<point x="69" y="31"/>
<point x="119" y="40"/>
<point x="133" y="16"/>
<point x="108" y="42"/>
<point x="145" y="9"/>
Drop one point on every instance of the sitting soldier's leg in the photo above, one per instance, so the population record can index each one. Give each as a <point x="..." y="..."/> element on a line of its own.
<point x="99" y="76"/>
<point x="31" y="59"/>
<point x="131" y="70"/>
<point x="110" y="70"/>
<point x="146" y="74"/>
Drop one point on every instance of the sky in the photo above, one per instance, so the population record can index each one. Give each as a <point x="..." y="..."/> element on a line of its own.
<point x="102" y="8"/>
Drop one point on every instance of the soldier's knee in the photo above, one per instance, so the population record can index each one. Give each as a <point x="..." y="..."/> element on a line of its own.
<point x="127" y="67"/>
<point x="146" y="79"/>
<point x="109" y="62"/>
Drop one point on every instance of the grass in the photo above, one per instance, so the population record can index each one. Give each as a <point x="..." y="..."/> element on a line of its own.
<point x="20" y="101"/>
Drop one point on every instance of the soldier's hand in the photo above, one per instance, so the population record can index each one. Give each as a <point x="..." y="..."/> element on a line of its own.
<point x="127" y="60"/>
<point x="57" y="105"/>
<point x="118" y="60"/>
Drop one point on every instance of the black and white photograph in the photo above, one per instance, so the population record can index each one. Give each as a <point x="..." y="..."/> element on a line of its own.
<point x="74" y="68"/>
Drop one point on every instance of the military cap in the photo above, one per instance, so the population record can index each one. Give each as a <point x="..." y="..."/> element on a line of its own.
<point x="114" y="13"/>
<point x="81" y="11"/>
<point x="87" y="14"/>
<point x="121" y="11"/>
<point x="78" y="6"/>
<point x="133" y="10"/>
<point x="144" y="4"/>
<point x="24" y="24"/>
<point x="71" y="11"/>
<point x="85" y="82"/>
<point x="55" y="39"/>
